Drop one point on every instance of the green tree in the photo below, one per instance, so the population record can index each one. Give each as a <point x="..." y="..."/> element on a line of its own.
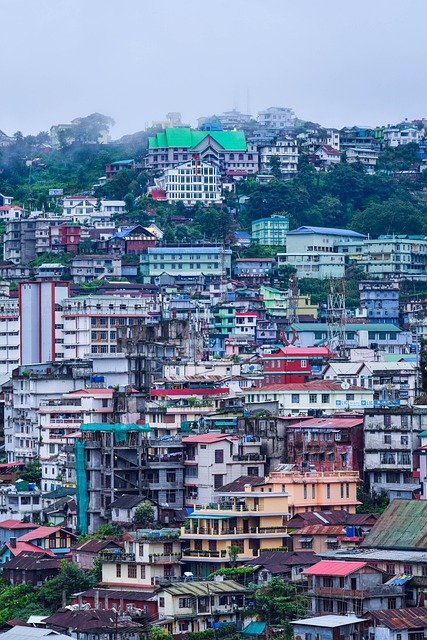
<point x="144" y="514"/>
<point x="371" y="503"/>
<point x="32" y="472"/>
<point x="129" y="202"/>
<point x="275" y="169"/>
<point x="278" y="603"/>
<point x="233" y="553"/>
<point x="158" y="633"/>
<point x="70" y="579"/>
<point x="92" y="127"/>
<point x="107" y="531"/>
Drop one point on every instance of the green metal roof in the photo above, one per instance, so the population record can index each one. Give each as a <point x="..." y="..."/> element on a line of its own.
<point x="190" y="138"/>
<point x="254" y="629"/>
<point x="403" y="525"/>
<point x="423" y="433"/>
<point x="196" y="588"/>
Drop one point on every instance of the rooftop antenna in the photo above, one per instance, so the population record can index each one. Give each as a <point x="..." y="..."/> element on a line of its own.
<point x="293" y="297"/>
<point x="336" y="316"/>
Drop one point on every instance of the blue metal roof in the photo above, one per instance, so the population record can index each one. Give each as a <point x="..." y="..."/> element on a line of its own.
<point x="326" y="230"/>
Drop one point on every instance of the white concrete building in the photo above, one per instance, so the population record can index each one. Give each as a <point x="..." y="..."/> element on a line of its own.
<point x="245" y="324"/>
<point x="89" y="209"/>
<point x="58" y="419"/>
<point x="9" y="335"/>
<point x="215" y="459"/>
<point x="286" y="151"/>
<point x="31" y="385"/>
<point x="192" y="182"/>
<point x="277" y="118"/>
<point x="300" y="398"/>
<point x="90" y="324"/>
<point x="396" y="136"/>
<point x="367" y="157"/>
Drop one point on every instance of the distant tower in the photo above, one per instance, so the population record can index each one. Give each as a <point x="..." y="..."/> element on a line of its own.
<point x="336" y="316"/>
<point x="293" y="298"/>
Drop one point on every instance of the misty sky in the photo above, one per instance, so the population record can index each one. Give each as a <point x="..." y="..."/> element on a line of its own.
<point x="337" y="62"/>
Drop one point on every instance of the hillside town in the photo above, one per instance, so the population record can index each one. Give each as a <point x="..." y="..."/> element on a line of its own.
<point x="213" y="384"/>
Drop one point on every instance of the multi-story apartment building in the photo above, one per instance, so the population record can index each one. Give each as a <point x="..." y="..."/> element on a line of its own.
<point x="367" y="157"/>
<point x="326" y="444"/>
<point x="286" y="151"/>
<point x="391" y="444"/>
<point x="336" y="587"/>
<point x="251" y="518"/>
<point x="253" y="270"/>
<point x="316" y="252"/>
<point x="400" y="135"/>
<point x="59" y="419"/>
<point x="277" y="118"/>
<point x="307" y="398"/>
<point x="277" y="303"/>
<point x="228" y="150"/>
<point x="150" y="557"/>
<point x="26" y="238"/>
<point x="393" y="255"/>
<point x="385" y="337"/>
<point x="213" y="262"/>
<point x="30" y="385"/>
<point x="9" y="335"/>
<point x="216" y="459"/>
<point x="271" y="232"/>
<point x="95" y="267"/>
<point x="90" y="324"/>
<point x="109" y="459"/>
<point x="89" y="209"/>
<point x="65" y="237"/>
<point x="193" y="182"/>
<point x="381" y="301"/>
<point x="194" y="606"/>
<point x="315" y="490"/>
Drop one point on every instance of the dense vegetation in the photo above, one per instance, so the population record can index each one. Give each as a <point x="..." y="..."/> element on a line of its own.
<point x="345" y="196"/>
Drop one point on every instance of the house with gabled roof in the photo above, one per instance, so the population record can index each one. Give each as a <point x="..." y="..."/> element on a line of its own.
<point x="342" y="587"/>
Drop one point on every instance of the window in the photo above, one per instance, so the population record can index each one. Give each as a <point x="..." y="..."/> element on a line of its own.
<point x="142" y="571"/>
<point x="295" y="398"/>
<point x="342" y="489"/>
<point x="349" y="396"/>
<point x="306" y="543"/>
<point x="325" y="398"/>
<point x="219" y="456"/>
<point x="390" y="568"/>
<point x="218" y="481"/>
<point x="347" y="490"/>
<point x="184" y="603"/>
<point x="313" y="398"/>
<point x="408" y="569"/>
<point x="387" y="420"/>
<point x="305" y="492"/>
<point x="387" y="438"/>
<point x="328" y="491"/>
<point x="313" y="491"/>
<point x="391" y="604"/>
<point x="118" y="570"/>
<point x="161" y="601"/>
<point x="131" y="570"/>
<point x="253" y="471"/>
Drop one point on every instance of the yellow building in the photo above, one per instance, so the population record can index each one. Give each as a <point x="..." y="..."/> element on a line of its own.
<point x="249" y="519"/>
<point x="315" y="490"/>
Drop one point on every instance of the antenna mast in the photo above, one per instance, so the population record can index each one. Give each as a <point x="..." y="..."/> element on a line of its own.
<point x="336" y="316"/>
<point x="293" y="298"/>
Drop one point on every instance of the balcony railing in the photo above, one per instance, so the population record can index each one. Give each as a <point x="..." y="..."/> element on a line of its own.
<point x="167" y="557"/>
<point x="238" y="508"/>
<point x="117" y="557"/>
<point x="233" y="531"/>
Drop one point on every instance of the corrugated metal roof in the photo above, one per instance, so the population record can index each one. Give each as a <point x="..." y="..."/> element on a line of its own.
<point x="403" y="525"/>
<point x="326" y="230"/>
<point x="413" y="618"/>
<point x="204" y="588"/>
<point x="333" y="568"/>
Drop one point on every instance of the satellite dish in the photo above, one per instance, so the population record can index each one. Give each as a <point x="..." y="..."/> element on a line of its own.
<point x="345" y="385"/>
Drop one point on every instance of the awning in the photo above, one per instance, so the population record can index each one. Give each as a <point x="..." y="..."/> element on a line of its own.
<point x="398" y="580"/>
<point x="215" y="516"/>
<point x="254" y="629"/>
<point x="307" y="540"/>
<point x="331" y="540"/>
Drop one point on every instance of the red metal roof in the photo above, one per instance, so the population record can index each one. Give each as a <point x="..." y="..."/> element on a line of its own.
<point x="17" y="524"/>
<point x="333" y="568"/>
<point x="300" y="351"/>
<point x="208" y="438"/>
<point x="331" y="423"/>
<point x="315" y="385"/>
<point x="188" y="392"/>
<point x="27" y="547"/>
<point x="40" y="532"/>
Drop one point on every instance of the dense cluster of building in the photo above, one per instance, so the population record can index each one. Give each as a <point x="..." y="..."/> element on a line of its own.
<point x="197" y="400"/>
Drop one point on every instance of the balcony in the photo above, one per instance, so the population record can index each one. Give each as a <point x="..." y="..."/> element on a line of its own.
<point x="238" y="508"/>
<point x="249" y="457"/>
<point x="379" y="590"/>
<point x="234" y="531"/>
<point x="117" y="557"/>
<point x="165" y="558"/>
